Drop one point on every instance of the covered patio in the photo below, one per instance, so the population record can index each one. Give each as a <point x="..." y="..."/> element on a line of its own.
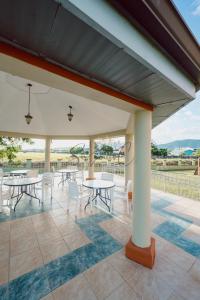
<point x="121" y="79"/>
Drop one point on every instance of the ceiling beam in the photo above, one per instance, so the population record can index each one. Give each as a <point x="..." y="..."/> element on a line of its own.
<point x="105" y="135"/>
<point x="39" y="62"/>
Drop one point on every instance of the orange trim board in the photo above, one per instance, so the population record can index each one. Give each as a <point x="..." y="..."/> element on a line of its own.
<point x="50" y="67"/>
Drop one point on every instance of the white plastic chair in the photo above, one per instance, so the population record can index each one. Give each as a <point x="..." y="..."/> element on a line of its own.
<point x="1" y="189"/>
<point x="79" y="179"/>
<point x="32" y="173"/>
<point x="4" y="191"/>
<point x="55" y="174"/>
<point x="47" y="182"/>
<point x="74" y="193"/>
<point x="107" y="176"/>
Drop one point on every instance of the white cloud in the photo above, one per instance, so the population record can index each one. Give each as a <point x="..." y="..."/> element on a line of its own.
<point x="196" y="5"/>
<point x="185" y="124"/>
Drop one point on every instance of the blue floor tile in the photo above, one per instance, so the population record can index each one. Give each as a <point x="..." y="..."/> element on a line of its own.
<point x="31" y="286"/>
<point x="97" y="218"/>
<point x="4" y="292"/>
<point x="169" y="230"/>
<point x="107" y="245"/>
<point x="188" y="246"/>
<point x="88" y="255"/>
<point x="63" y="269"/>
<point x="93" y="231"/>
<point x="160" y="204"/>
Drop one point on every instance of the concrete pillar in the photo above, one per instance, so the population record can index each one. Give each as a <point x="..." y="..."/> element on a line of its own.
<point x="141" y="247"/>
<point x="47" y="154"/>
<point x="28" y="163"/>
<point x="91" y="160"/>
<point x="129" y="156"/>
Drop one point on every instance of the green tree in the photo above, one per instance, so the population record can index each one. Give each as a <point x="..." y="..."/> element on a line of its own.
<point x="197" y="153"/>
<point x="106" y="149"/>
<point x="155" y="151"/>
<point x="9" y="146"/>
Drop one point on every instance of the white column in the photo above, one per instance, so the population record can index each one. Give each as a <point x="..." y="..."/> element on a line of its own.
<point x="47" y="154"/>
<point x="141" y="231"/>
<point x="91" y="160"/>
<point x="129" y="156"/>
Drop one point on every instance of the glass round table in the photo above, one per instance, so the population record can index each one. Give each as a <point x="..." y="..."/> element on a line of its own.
<point x="23" y="185"/>
<point x="101" y="189"/>
<point x="66" y="174"/>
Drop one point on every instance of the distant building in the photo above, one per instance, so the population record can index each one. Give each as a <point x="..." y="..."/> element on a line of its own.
<point x="183" y="151"/>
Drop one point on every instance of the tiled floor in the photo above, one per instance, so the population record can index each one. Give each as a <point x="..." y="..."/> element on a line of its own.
<point x="49" y="253"/>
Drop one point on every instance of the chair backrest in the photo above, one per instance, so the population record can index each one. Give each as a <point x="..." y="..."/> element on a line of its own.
<point x="1" y="176"/>
<point x="73" y="190"/>
<point x="80" y="175"/>
<point x="47" y="178"/>
<point x="107" y="176"/>
<point x="32" y="173"/>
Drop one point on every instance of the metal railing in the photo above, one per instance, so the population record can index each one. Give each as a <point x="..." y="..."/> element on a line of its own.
<point x="179" y="184"/>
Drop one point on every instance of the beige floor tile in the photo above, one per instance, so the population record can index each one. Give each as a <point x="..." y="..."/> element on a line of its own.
<point x="4" y="232"/>
<point x="21" y="223"/>
<point x="53" y="249"/>
<point x="124" y="292"/>
<point x="48" y="235"/>
<point x="188" y="288"/>
<point x="40" y="219"/>
<point x="68" y="228"/>
<point x="175" y="296"/>
<point x="45" y="226"/>
<point x="150" y="287"/>
<point x="4" y="274"/>
<point x="48" y="297"/>
<point x="126" y="267"/>
<point x="76" y="239"/>
<point x="103" y="279"/>
<point x="23" y="243"/>
<point x="177" y="256"/>
<point x="195" y="270"/>
<point x="193" y="233"/>
<point x="76" y="289"/>
<point x="62" y="219"/>
<point x="25" y="262"/>
<point x="57" y="212"/>
<point x="4" y="253"/>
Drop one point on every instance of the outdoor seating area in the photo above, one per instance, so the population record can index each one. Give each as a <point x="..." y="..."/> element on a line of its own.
<point x="51" y="248"/>
<point x="84" y="71"/>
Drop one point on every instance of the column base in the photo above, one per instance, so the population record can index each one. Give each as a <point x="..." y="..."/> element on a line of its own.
<point x="130" y="196"/>
<point x="90" y="178"/>
<point x="143" y="256"/>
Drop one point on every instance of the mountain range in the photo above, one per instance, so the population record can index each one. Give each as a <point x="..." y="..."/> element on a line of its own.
<point x="188" y="143"/>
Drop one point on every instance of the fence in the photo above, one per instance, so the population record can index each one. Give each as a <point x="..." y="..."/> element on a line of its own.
<point x="179" y="184"/>
<point x="98" y="166"/>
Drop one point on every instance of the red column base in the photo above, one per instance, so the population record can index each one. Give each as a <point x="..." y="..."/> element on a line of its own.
<point x="143" y="256"/>
<point x="90" y="178"/>
<point x="130" y="196"/>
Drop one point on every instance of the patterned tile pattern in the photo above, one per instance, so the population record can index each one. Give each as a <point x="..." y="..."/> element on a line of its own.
<point x="173" y="229"/>
<point x="41" y="281"/>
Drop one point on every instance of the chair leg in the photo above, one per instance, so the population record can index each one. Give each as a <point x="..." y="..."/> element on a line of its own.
<point x="1" y="199"/>
<point x="43" y="193"/>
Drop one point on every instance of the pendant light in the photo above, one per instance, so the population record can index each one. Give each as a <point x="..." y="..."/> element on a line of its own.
<point x="28" y="117"/>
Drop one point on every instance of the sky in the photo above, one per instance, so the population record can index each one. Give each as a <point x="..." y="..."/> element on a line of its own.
<point x="185" y="123"/>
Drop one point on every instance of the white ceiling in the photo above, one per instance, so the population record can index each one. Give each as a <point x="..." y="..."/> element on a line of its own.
<point x="49" y="108"/>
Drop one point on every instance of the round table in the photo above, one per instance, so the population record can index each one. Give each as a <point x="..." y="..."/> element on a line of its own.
<point x="19" y="172"/>
<point x="98" y="186"/>
<point x="23" y="185"/>
<point x="66" y="174"/>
